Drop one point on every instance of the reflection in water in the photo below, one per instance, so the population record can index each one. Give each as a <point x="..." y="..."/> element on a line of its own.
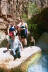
<point x="40" y="64"/>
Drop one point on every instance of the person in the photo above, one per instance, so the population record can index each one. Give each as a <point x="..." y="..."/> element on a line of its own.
<point x="10" y="28"/>
<point x="24" y="28"/>
<point x="15" y="45"/>
<point x="32" y="40"/>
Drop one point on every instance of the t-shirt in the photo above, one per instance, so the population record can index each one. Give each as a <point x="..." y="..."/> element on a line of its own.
<point x="14" y="44"/>
<point x="24" y="31"/>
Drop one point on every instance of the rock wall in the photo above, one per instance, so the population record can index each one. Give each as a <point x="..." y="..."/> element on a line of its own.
<point x="4" y="7"/>
<point x="43" y="42"/>
<point x="15" y="8"/>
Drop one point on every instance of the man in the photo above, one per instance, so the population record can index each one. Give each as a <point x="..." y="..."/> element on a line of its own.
<point x="24" y="28"/>
<point x="15" y="45"/>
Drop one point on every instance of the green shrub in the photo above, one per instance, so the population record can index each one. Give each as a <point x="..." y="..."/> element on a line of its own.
<point x="33" y="28"/>
<point x="33" y="9"/>
<point x="4" y="43"/>
<point x="24" y="17"/>
<point x="2" y="70"/>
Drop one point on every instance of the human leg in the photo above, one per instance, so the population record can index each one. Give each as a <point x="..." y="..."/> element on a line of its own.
<point x="18" y="53"/>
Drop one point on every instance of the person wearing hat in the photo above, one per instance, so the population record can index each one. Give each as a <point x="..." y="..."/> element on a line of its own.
<point x="15" y="45"/>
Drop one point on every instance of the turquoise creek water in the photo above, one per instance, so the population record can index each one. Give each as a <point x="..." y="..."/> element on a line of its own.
<point x="40" y="64"/>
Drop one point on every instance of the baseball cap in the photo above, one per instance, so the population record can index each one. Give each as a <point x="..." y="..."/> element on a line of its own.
<point x="12" y="29"/>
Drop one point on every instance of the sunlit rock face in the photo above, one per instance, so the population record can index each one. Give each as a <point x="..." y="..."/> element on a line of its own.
<point x="7" y="60"/>
<point x="43" y="41"/>
<point x="2" y="36"/>
<point x="4" y="7"/>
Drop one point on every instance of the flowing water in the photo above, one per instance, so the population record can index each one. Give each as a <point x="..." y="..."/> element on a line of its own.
<point x="40" y="64"/>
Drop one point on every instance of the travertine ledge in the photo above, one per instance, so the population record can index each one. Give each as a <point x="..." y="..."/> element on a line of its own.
<point x="7" y="60"/>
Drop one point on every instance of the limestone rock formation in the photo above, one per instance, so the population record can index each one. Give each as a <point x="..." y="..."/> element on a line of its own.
<point x="11" y="9"/>
<point x="7" y="60"/>
<point x="15" y="8"/>
<point x="2" y="36"/>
